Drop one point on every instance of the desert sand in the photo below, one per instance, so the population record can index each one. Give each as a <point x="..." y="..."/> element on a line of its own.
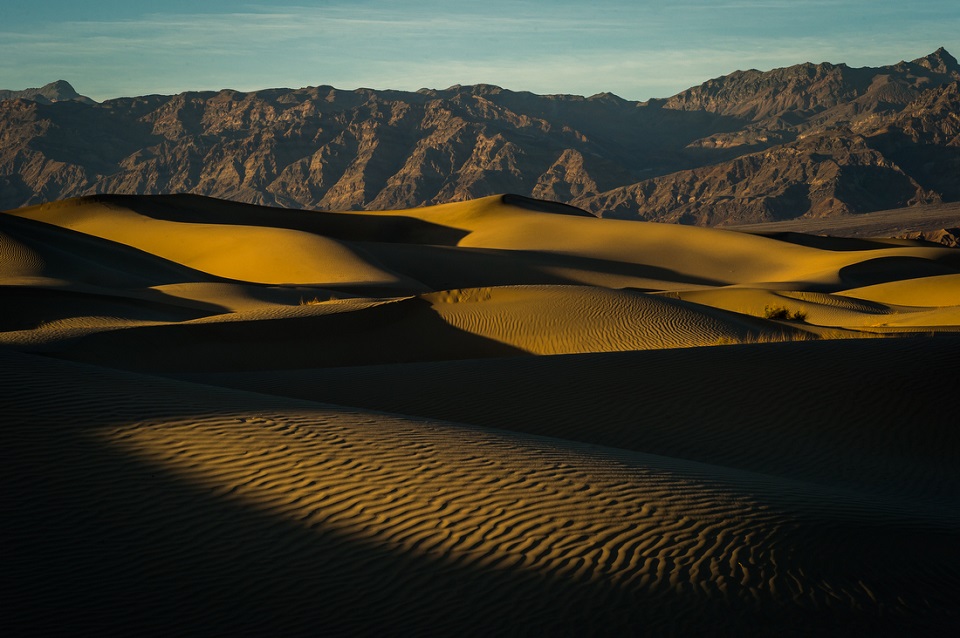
<point x="487" y="417"/>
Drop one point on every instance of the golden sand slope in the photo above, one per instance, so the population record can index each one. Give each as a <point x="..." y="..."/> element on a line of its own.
<point x="570" y="319"/>
<point x="257" y="254"/>
<point x="685" y="252"/>
<point x="936" y="291"/>
<point x="538" y="443"/>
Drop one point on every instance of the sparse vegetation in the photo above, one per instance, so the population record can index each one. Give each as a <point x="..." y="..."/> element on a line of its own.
<point x="783" y="313"/>
<point x="825" y="335"/>
<point x="779" y="337"/>
<point x="317" y="300"/>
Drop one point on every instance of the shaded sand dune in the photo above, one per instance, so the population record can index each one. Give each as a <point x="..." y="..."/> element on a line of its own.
<point x="239" y="511"/>
<point x="488" y="417"/>
<point x="831" y="412"/>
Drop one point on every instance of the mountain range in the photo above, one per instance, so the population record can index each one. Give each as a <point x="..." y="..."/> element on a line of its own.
<point x="806" y="141"/>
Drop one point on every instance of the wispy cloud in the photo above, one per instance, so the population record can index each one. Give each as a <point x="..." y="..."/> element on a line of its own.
<point x="636" y="49"/>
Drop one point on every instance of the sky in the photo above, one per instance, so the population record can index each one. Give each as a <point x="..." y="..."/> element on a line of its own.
<point x="637" y="49"/>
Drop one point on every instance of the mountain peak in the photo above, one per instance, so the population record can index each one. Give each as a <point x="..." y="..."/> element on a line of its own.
<point x="940" y="61"/>
<point x="57" y="91"/>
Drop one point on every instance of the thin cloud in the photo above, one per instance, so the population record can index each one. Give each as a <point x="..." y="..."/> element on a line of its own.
<point x="637" y="50"/>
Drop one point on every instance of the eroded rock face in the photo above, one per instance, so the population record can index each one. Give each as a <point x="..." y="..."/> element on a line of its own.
<point x="808" y="140"/>
<point x="825" y="174"/>
<point x="946" y="236"/>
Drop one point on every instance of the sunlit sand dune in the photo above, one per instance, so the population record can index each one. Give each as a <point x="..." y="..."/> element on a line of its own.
<point x="816" y="308"/>
<point x="489" y="417"/>
<point x="569" y="319"/>
<point x="937" y="291"/>
<point x="257" y="254"/>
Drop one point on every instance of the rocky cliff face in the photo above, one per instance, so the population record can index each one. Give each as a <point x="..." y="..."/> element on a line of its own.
<point x="821" y="175"/>
<point x="808" y="140"/>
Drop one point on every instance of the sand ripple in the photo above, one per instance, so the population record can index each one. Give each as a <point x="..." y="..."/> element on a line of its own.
<point x="569" y="319"/>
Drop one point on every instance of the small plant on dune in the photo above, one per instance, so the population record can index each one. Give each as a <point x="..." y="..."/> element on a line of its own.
<point x="783" y="313"/>
<point x="316" y="301"/>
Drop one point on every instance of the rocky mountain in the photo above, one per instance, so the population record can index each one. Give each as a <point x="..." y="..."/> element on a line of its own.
<point x="804" y="141"/>
<point x="830" y="173"/>
<point x="59" y="91"/>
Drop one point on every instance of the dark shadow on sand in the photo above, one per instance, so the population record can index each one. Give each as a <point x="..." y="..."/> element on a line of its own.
<point x="98" y="542"/>
<point x="396" y="332"/>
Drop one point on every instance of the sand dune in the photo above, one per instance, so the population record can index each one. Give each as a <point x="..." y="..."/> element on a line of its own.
<point x="934" y="291"/>
<point x="483" y="418"/>
<point x="256" y="254"/>
<point x="570" y="319"/>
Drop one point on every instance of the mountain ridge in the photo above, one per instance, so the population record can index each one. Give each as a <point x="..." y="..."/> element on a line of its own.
<point x="809" y="140"/>
<point x="56" y="91"/>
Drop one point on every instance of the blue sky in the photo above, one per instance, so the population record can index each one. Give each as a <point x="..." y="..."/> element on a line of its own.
<point x="637" y="49"/>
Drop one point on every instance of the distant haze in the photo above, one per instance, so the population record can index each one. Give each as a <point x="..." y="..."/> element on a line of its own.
<point x="636" y="49"/>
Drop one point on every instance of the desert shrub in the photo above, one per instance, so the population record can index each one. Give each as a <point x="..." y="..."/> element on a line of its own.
<point x="783" y="313"/>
